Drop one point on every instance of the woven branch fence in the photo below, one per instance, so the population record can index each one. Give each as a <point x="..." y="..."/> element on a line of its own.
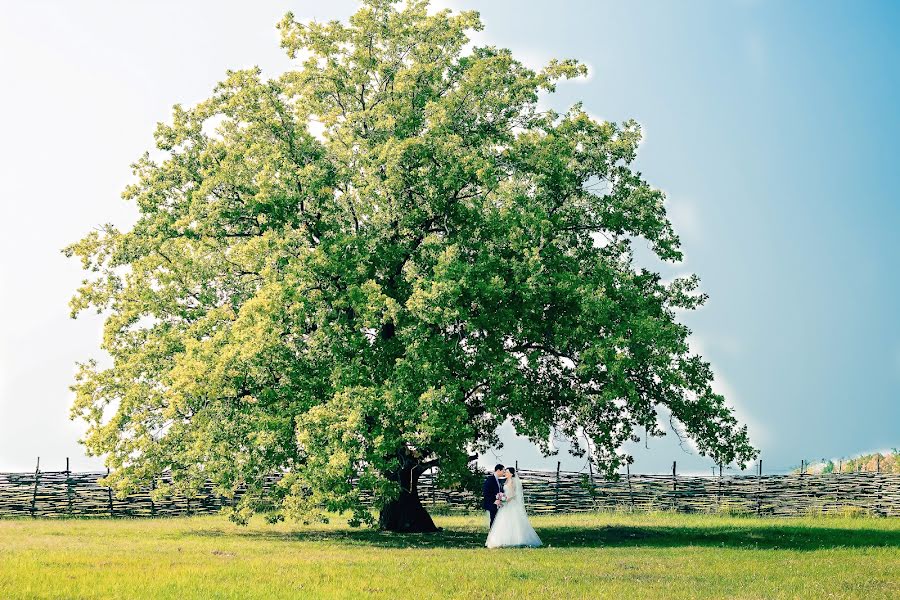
<point x="65" y="493"/>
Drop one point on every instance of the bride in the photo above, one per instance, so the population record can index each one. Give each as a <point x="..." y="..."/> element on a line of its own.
<point x="511" y="527"/>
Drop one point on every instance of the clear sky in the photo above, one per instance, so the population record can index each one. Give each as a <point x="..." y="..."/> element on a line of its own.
<point x="772" y="126"/>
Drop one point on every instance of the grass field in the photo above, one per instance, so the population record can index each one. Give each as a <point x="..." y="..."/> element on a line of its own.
<point x="656" y="555"/>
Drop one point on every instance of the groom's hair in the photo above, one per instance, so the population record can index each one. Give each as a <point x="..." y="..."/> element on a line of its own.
<point x="498" y="467"/>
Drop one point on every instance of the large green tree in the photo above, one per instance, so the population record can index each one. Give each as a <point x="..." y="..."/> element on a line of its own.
<point x="360" y="269"/>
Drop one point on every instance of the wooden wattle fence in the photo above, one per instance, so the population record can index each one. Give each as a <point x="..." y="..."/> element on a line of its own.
<point x="766" y="495"/>
<point x="65" y="493"/>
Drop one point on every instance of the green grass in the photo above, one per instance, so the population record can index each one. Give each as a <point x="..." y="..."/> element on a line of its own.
<point x="655" y="555"/>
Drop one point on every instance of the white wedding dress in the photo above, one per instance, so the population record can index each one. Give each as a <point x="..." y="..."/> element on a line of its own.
<point x="511" y="526"/>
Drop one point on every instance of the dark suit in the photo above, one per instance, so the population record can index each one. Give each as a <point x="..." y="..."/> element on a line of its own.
<point x="492" y="486"/>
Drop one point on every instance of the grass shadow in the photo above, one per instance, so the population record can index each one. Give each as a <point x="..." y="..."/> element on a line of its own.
<point x="784" y="537"/>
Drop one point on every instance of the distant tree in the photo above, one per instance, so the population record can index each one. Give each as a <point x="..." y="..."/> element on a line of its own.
<point x="354" y="307"/>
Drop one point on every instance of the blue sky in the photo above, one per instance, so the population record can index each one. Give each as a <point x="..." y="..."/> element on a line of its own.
<point x="772" y="127"/>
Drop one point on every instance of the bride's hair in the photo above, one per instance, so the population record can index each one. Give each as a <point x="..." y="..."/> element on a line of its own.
<point x="512" y="471"/>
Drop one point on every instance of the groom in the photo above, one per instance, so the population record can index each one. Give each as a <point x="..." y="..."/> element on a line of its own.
<point x="493" y="485"/>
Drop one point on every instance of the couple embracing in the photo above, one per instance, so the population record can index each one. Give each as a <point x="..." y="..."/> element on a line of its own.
<point x="504" y="501"/>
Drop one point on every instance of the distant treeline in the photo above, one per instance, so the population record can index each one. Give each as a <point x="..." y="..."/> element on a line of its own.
<point x="876" y="462"/>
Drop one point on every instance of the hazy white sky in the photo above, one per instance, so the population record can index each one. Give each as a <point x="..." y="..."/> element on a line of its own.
<point x="84" y="84"/>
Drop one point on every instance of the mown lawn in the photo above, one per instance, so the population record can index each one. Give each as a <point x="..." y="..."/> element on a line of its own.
<point x="587" y="556"/>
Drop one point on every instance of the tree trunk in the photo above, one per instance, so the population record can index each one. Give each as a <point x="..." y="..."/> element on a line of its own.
<point x="406" y="514"/>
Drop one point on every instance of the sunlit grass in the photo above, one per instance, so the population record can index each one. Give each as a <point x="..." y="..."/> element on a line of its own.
<point x="656" y="555"/>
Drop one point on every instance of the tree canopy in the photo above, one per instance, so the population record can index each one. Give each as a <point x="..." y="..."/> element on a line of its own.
<point x="361" y="268"/>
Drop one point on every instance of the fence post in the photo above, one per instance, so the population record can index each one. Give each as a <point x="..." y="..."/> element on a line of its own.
<point x="152" y="503"/>
<point x="109" y="495"/>
<point x="37" y="477"/>
<point x="556" y="500"/>
<point x="804" y="485"/>
<point x="434" y="487"/>
<point x="719" y="492"/>
<point x="593" y="487"/>
<point x="878" y="463"/>
<point x="517" y="470"/>
<point x="68" y="486"/>
<point x="630" y="493"/>
<point x="674" y="487"/>
<point x="759" y="490"/>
